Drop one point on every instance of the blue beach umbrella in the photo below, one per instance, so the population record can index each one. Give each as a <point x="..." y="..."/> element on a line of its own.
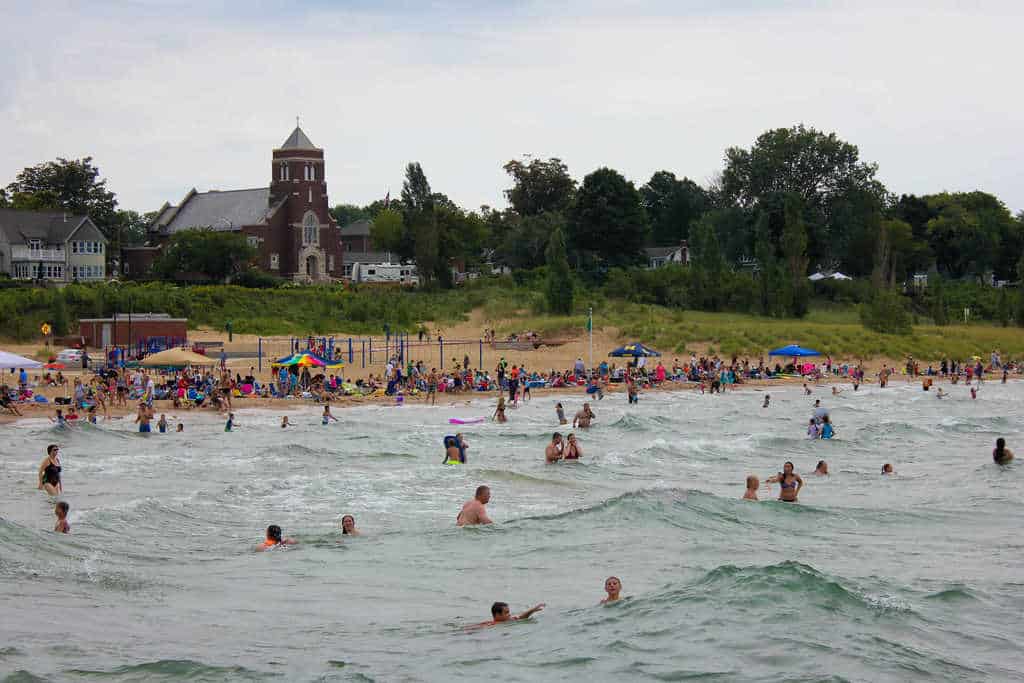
<point x="793" y="350"/>
<point x="634" y="350"/>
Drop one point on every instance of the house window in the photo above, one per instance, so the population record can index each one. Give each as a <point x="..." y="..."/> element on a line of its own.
<point x="253" y="241"/>
<point x="310" y="228"/>
<point x="126" y="268"/>
<point x="275" y="261"/>
<point x="330" y="262"/>
<point x="371" y="271"/>
<point x="74" y="247"/>
<point x="35" y="245"/>
<point x="284" y="171"/>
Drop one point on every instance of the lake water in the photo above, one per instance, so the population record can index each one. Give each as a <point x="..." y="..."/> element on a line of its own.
<point x="919" y="576"/>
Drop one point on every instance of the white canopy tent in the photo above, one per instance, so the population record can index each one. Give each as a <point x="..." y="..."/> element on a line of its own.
<point x="816" y="277"/>
<point x="10" y="361"/>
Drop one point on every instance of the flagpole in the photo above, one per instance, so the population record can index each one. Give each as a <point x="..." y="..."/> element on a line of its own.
<point x="591" y="326"/>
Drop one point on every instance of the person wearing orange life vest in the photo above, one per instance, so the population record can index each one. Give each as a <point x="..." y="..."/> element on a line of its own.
<point x="274" y="539"/>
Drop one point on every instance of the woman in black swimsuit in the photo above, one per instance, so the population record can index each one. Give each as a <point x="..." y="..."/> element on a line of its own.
<point x="49" y="471"/>
<point x="790" y="483"/>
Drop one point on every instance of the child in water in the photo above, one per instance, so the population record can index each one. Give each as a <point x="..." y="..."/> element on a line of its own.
<point x="181" y="427"/>
<point x="274" y="539"/>
<point x="812" y="429"/>
<point x="499" y="412"/>
<point x="887" y="469"/>
<point x="61" y="510"/>
<point x="560" y="411"/>
<point x="327" y="417"/>
<point x="162" y="424"/>
<point x="59" y="418"/>
<point x="827" y="431"/>
<point x="284" y="421"/>
<point x="753" y="483"/>
<point x="767" y="400"/>
<point x="612" y="586"/>
<point x="230" y="423"/>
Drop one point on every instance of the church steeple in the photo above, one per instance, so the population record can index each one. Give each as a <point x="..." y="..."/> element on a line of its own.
<point x="298" y="140"/>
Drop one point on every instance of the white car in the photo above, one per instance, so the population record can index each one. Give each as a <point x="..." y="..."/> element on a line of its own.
<point x="70" y="357"/>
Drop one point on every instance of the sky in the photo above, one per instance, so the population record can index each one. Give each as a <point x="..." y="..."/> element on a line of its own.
<point x="166" y="97"/>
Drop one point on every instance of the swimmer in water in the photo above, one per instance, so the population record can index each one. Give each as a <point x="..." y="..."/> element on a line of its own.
<point x="454" y="450"/>
<point x="583" y="417"/>
<point x="475" y="511"/>
<point x="836" y="391"/>
<point x="827" y="431"/>
<point x="499" y="412"/>
<point x="553" y="452"/>
<point x="61" y="510"/>
<point x="1001" y="454"/>
<point x="49" y="471"/>
<point x="284" y="422"/>
<point x="887" y="469"/>
<point x="327" y="417"/>
<point x="181" y="427"/>
<point x="348" y="526"/>
<point x="974" y="393"/>
<point x="143" y="416"/>
<point x="822" y="469"/>
<point x="560" y="412"/>
<point x="274" y="539"/>
<point x="612" y="586"/>
<point x="767" y="400"/>
<point x="812" y="430"/>
<point x="790" y="483"/>
<point x="752" y="485"/>
<point x="58" y="418"/>
<point x="572" y="449"/>
<point x="807" y="390"/>
<point x="230" y="424"/>
<point x="162" y="424"/>
<point x="941" y="393"/>
<point x="501" y="614"/>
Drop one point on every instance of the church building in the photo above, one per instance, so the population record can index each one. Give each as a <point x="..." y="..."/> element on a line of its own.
<point x="288" y="223"/>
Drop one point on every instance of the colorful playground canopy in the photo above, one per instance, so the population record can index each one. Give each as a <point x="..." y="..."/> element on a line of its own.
<point x="176" y="358"/>
<point x="634" y="350"/>
<point x="11" y="360"/>
<point x="307" y="359"/>
<point x="793" y="350"/>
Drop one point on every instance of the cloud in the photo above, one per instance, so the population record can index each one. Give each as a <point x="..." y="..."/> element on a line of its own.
<point x="170" y="99"/>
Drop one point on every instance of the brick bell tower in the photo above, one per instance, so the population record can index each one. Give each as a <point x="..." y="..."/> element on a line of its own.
<point x="312" y="246"/>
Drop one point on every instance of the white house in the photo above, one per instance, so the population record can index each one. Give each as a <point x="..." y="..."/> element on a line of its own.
<point x="662" y="256"/>
<point x="51" y="246"/>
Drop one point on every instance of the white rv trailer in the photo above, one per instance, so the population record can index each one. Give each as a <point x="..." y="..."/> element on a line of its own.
<point x="396" y="273"/>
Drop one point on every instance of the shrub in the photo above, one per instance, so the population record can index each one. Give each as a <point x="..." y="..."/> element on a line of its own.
<point x="886" y="313"/>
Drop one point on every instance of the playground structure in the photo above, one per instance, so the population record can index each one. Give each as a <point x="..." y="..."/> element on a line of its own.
<point x="364" y="352"/>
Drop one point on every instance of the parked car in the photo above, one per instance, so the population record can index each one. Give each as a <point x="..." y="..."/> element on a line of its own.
<point x="70" y="357"/>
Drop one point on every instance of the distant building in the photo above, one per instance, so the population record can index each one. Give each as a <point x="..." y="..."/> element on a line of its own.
<point x="356" y="236"/>
<point x="125" y="329"/>
<point x="662" y="256"/>
<point x="51" y="246"/>
<point x="288" y="223"/>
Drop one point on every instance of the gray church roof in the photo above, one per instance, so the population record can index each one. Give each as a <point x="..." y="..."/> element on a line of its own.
<point x="53" y="227"/>
<point x="216" y="210"/>
<point x="359" y="228"/>
<point x="298" y="140"/>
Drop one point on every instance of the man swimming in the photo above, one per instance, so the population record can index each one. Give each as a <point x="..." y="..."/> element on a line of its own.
<point x="501" y="614"/>
<point x="274" y="539"/>
<point x="612" y="587"/>
<point x="553" y="452"/>
<point x="61" y="510"/>
<point x="475" y="511"/>
<point x="583" y="417"/>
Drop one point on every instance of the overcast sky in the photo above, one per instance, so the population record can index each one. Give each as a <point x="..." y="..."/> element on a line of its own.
<point x="166" y="98"/>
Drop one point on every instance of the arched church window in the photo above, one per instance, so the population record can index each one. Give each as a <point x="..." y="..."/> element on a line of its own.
<point x="310" y="228"/>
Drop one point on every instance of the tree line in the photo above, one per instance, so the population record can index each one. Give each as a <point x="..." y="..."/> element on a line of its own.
<point x="798" y="200"/>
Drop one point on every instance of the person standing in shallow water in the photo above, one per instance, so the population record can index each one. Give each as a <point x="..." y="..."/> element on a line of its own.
<point x="1001" y="454"/>
<point x="789" y="482"/>
<point x="475" y="511"/>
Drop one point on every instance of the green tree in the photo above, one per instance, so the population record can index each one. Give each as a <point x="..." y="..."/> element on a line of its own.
<point x="886" y="313"/>
<point x="213" y="255"/>
<point x="345" y="214"/>
<point x="59" y="314"/>
<point x="607" y="219"/>
<point x="1003" y="308"/>
<point x="388" y="230"/>
<point x="426" y="247"/>
<point x="539" y="186"/>
<point x="417" y="197"/>
<point x="71" y="185"/>
<point x="1020" y="293"/>
<point x="794" y="250"/>
<point x="707" y="265"/>
<point x="672" y="205"/>
<point x="818" y="168"/>
<point x="939" y="306"/>
<point x="558" y="287"/>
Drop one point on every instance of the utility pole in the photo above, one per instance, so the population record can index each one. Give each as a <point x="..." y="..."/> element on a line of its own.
<point x="590" y="327"/>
